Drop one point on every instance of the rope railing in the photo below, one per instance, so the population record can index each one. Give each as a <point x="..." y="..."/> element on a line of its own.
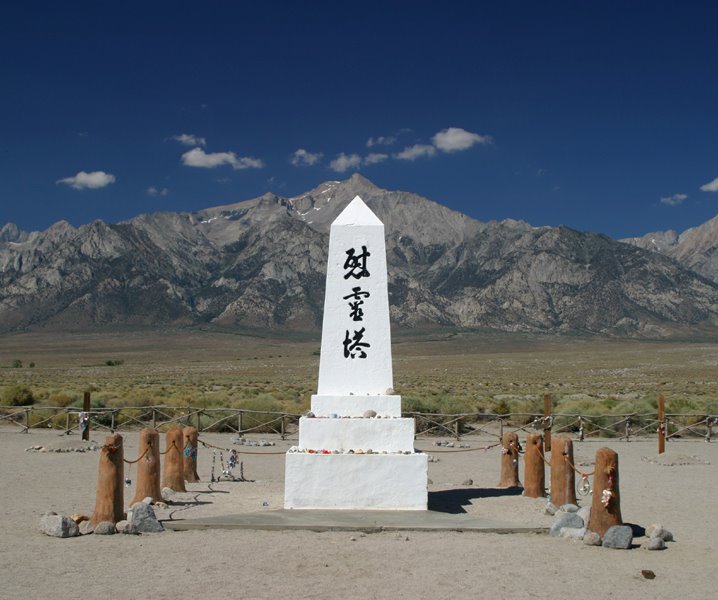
<point x="427" y="425"/>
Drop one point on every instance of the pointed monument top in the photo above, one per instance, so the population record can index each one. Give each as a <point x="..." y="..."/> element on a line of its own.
<point x="357" y="213"/>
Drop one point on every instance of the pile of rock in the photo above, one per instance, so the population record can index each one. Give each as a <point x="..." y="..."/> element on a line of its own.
<point x="66" y="447"/>
<point x="140" y="519"/>
<point x="571" y="522"/>
<point x="240" y="441"/>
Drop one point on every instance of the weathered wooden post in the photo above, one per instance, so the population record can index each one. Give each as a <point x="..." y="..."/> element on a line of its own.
<point x="190" y="437"/>
<point x="173" y="471"/>
<point x="534" y="473"/>
<point x="547" y="419"/>
<point x="148" y="467"/>
<point x="563" y="479"/>
<point x="510" y="461"/>
<point x="606" y="505"/>
<point x="86" y="410"/>
<point x="661" y="424"/>
<point x="110" y="498"/>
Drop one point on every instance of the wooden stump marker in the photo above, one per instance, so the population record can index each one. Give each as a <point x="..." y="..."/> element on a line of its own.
<point x="148" y="467"/>
<point x="510" y="461"/>
<point x="173" y="471"/>
<point x="563" y="478"/>
<point x="110" y="498"/>
<point x="189" y="449"/>
<point x="606" y="505"/>
<point x="534" y="473"/>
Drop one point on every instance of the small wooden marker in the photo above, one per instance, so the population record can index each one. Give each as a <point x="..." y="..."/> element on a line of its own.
<point x="563" y="478"/>
<point x="148" y="467"/>
<point x="606" y="505"/>
<point x="510" y="461"/>
<point x="173" y="471"/>
<point x="110" y="499"/>
<point x="534" y="473"/>
<point x="189" y="449"/>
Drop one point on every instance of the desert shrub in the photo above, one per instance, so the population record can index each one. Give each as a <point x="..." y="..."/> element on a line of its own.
<point x="16" y="364"/>
<point x="61" y="399"/>
<point x="18" y="395"/>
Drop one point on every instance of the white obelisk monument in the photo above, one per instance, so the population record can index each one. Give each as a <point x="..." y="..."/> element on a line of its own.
<point x="356" y="452"/>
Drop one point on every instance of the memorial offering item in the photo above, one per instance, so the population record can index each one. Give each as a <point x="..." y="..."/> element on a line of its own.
<point x="173" y="472"/>
<point x="356" y="451"/>
<point x="563" y="477"/>
<point x="110" y="500"/>
<point x="510" y="449"/>
<point x="606" y="505"/>
<point x="148" y="467"/>
<point x="189" y="454"/>
<point x="534" y="471"/>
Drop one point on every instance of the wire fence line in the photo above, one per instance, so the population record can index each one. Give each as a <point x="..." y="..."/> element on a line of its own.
<point x="285" y="424"/>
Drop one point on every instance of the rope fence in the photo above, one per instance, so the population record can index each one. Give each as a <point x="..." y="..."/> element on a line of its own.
<point x="427" y="425"/>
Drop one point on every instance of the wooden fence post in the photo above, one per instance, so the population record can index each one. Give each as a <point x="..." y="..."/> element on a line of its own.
<point x="86" y="409"/>
<point x="148" y="467"/>
<point x="154" y="418"/>
<point x="199" y="419"/>
<point x="534" y="473"/>
<point x="606" y="504"/>
<point x="110" y="499"/>
<point x="563" y="479"/>
<point x="239" y="423"/>
<point x="173" y="472"/>
<point x="661" y="424"/>
<point x="510" y="461"/>
<point x="189" y="449"/>
<point x="27" y="420"/>
<point x="547" y="417"/>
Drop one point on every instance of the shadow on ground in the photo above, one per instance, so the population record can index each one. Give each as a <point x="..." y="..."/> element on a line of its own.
<point x="453" y="501"/>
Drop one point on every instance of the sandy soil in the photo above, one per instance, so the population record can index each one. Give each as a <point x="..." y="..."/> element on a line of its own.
<point x="677" y="489"/>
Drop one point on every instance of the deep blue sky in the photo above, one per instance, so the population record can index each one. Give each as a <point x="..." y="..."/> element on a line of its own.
<point x="583" y="114"/>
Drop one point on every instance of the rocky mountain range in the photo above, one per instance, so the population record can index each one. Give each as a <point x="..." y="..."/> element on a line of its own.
<point x="261" y="264"/>
<point x="695" y="248"/>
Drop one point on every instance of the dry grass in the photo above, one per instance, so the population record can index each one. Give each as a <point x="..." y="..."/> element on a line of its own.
<point x="434" y="371"/>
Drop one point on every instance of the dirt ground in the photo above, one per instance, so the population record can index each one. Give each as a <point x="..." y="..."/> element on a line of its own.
<point x="677" y="489"/>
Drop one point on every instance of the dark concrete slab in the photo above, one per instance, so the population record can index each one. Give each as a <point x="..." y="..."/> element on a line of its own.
<point x="354" y="520"/>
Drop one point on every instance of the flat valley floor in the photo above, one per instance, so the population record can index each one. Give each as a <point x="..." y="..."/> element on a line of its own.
<point x="678" y="489"/>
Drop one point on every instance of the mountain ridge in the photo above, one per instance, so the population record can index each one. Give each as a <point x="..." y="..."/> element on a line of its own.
<point x="261" y="263"/>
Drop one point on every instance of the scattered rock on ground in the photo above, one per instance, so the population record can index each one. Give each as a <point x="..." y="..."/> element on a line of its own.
<point x="86" y="528"/>
<point x="658" y="531"/>
<point x="60" y="526"/>
<point x="550" y="509"/>
<point x="573" y="533"/>
<point x="78" y="518"/>
<point x="568" y="508"/>
<point x="654" y="543"/>
<point x="167" y="492"/>
<point x="565" y="520"/>
<point x="125" y="527"/>
<point x="618" y="536"/>
<point x="591" y="538"/>
<point x="105" y="528"/>
<point x="143" y="519"/>
<point x="468" y="482"/>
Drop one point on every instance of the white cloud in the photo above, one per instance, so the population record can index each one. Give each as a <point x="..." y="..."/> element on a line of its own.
<point x="711" y="186"/>
<point x="382" y="140"/>
<point x="92" y="181"/>
<point x="344" y="162"/>
<point x="375" y="158"/>
<point x="153" y="191"/>
<point x="454" y="139"/>
<point x="416" y="151"/>
<point x="304" y="158"/>
<point x="187" y="139"/>
<point x="201" y="159"/>
<point x="674" y="200"/>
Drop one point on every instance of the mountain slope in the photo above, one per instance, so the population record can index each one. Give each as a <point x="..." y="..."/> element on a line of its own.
<point x="696" y="248"/>
<point x="261" y="263"/>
